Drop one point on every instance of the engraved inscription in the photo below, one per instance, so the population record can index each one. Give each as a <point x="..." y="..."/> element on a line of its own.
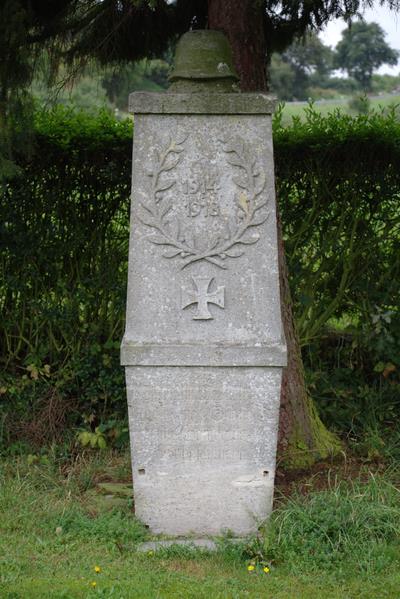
<point x="201" y="190"/>
<point x="202" y="297"/>
<point x="194" y="425"/>
<point x="199" y="454"/>
<point x="201" y="196"/>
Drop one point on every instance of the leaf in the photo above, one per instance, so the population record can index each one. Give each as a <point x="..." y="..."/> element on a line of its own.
<point x="215" y="242"/>
<point x="235" y="161"/>
<point x="259" y="221"/>
<point x="234" y="146"/>
<point x="172" y="253"/>
<point x="233" y="254"/>
<point x="101" y="442"/>
<point x="260" y="183"/>
<point x="33" y="371"/>
<point x="166" y="185"/>
<point x="148" y="223"/>
<point x="146" y="208"/>
<point x="240" y="182"/>
<point x="158" y="240"/>
<point x="260" y="206"/>
<point x="176" y="229"/>
<point x="180" y="138"/>
<point x="229" y="147"/>
<point x="166" y="208"/>
<point x="249" y="241"/>
<point x="84" y="438"/>
<point x="244" y="202"/>
<point x="389" y="368"/>
<point x="172" y="164"/>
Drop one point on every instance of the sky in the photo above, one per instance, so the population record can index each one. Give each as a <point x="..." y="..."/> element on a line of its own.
<point x="387" y="19"/>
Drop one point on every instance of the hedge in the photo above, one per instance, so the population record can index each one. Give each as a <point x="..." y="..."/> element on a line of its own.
<point x="64" y="243"/>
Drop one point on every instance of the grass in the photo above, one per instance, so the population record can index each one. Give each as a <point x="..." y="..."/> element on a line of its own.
<point x="296" y="109"/>
<point x="338" y="543"/>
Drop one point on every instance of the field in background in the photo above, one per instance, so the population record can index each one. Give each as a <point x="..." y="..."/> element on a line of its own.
<point x="324" y="107"/>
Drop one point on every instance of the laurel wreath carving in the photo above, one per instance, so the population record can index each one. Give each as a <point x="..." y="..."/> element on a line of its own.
<point x="249" y="179"/>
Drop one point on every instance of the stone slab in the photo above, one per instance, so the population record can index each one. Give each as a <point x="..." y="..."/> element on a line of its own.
<point x="203" y="345"/>
<point x="202" y="355"/>
<point x="201" y="103"/>
<point x="203" y="447"/>
<point x="199" y="207"/>
<point x="208" y="544"/>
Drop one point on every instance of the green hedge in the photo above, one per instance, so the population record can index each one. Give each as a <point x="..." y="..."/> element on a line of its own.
<point x="338" y="184"/>
<point x="64" y="245"/>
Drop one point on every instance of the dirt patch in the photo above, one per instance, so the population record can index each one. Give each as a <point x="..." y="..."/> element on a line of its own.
<point x="323" y="475"/>
<point x="189" y="567"/>
<point x="46" y="423"/>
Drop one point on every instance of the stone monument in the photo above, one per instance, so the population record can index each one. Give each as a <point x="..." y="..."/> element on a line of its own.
<point x="203" y="347"/>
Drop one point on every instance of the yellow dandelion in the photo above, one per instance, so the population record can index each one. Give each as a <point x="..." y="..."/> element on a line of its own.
<point x="94" y="584"/>
<point x="150" y="553"/>
<point x="97" y="569"/>
<point x="266" y="569"/>
<point x="250" y="568"/>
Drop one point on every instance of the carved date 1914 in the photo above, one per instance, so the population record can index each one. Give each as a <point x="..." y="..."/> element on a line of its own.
<point x="155" y="213"/>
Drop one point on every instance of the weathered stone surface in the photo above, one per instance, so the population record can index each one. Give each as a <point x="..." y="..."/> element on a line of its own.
<point x="203" y="217"/>
<point x="203" y="447"/>
<point x="203" y="54"/>
<point x="201" y="103"/>
<point x="203" y="347"/>
<point x="202" y="544"/>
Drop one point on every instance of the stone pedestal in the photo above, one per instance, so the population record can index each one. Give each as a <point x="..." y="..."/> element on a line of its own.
<point x="203" y="347"/>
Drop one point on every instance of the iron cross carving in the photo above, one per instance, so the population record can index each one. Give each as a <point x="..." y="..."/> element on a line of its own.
<point x="202" y="297"/>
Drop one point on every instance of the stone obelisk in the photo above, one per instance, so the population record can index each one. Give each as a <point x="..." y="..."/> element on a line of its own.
<point x="203" y="347"/>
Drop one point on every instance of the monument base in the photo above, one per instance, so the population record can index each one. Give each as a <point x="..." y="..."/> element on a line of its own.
<point x="201" y="544"/>
<point x="203" y="447"/>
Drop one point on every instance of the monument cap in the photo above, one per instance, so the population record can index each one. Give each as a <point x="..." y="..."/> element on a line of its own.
<point x="204" y="54"/>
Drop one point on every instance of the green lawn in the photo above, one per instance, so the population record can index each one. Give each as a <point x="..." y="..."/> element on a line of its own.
<point x="55" y="528"/>
<point x="297" y="108"/>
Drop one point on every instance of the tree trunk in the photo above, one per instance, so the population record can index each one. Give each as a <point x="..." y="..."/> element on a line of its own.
<point x="240" y="21"/>
<point x="303" y="438"/>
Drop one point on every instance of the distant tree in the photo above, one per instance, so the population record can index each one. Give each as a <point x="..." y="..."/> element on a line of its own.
<point x="281" y="78"/>
<point x="306" y="62"/>
<point x="312" y="62"/>
<point x="363" y="49"/>
<point x="343" y="85"/>
<point x="385" y="83"/>
<point x="118" y="82"/>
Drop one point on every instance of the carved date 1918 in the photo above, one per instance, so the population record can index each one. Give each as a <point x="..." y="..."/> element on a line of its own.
<point x="202" y="192"/>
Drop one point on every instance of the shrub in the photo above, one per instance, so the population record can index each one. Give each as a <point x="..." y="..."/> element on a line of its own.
<point x="64" y="221"/>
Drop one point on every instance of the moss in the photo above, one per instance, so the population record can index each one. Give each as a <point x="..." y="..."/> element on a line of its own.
<point x="204" y="54"/>
<point x="324" y="444"/>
